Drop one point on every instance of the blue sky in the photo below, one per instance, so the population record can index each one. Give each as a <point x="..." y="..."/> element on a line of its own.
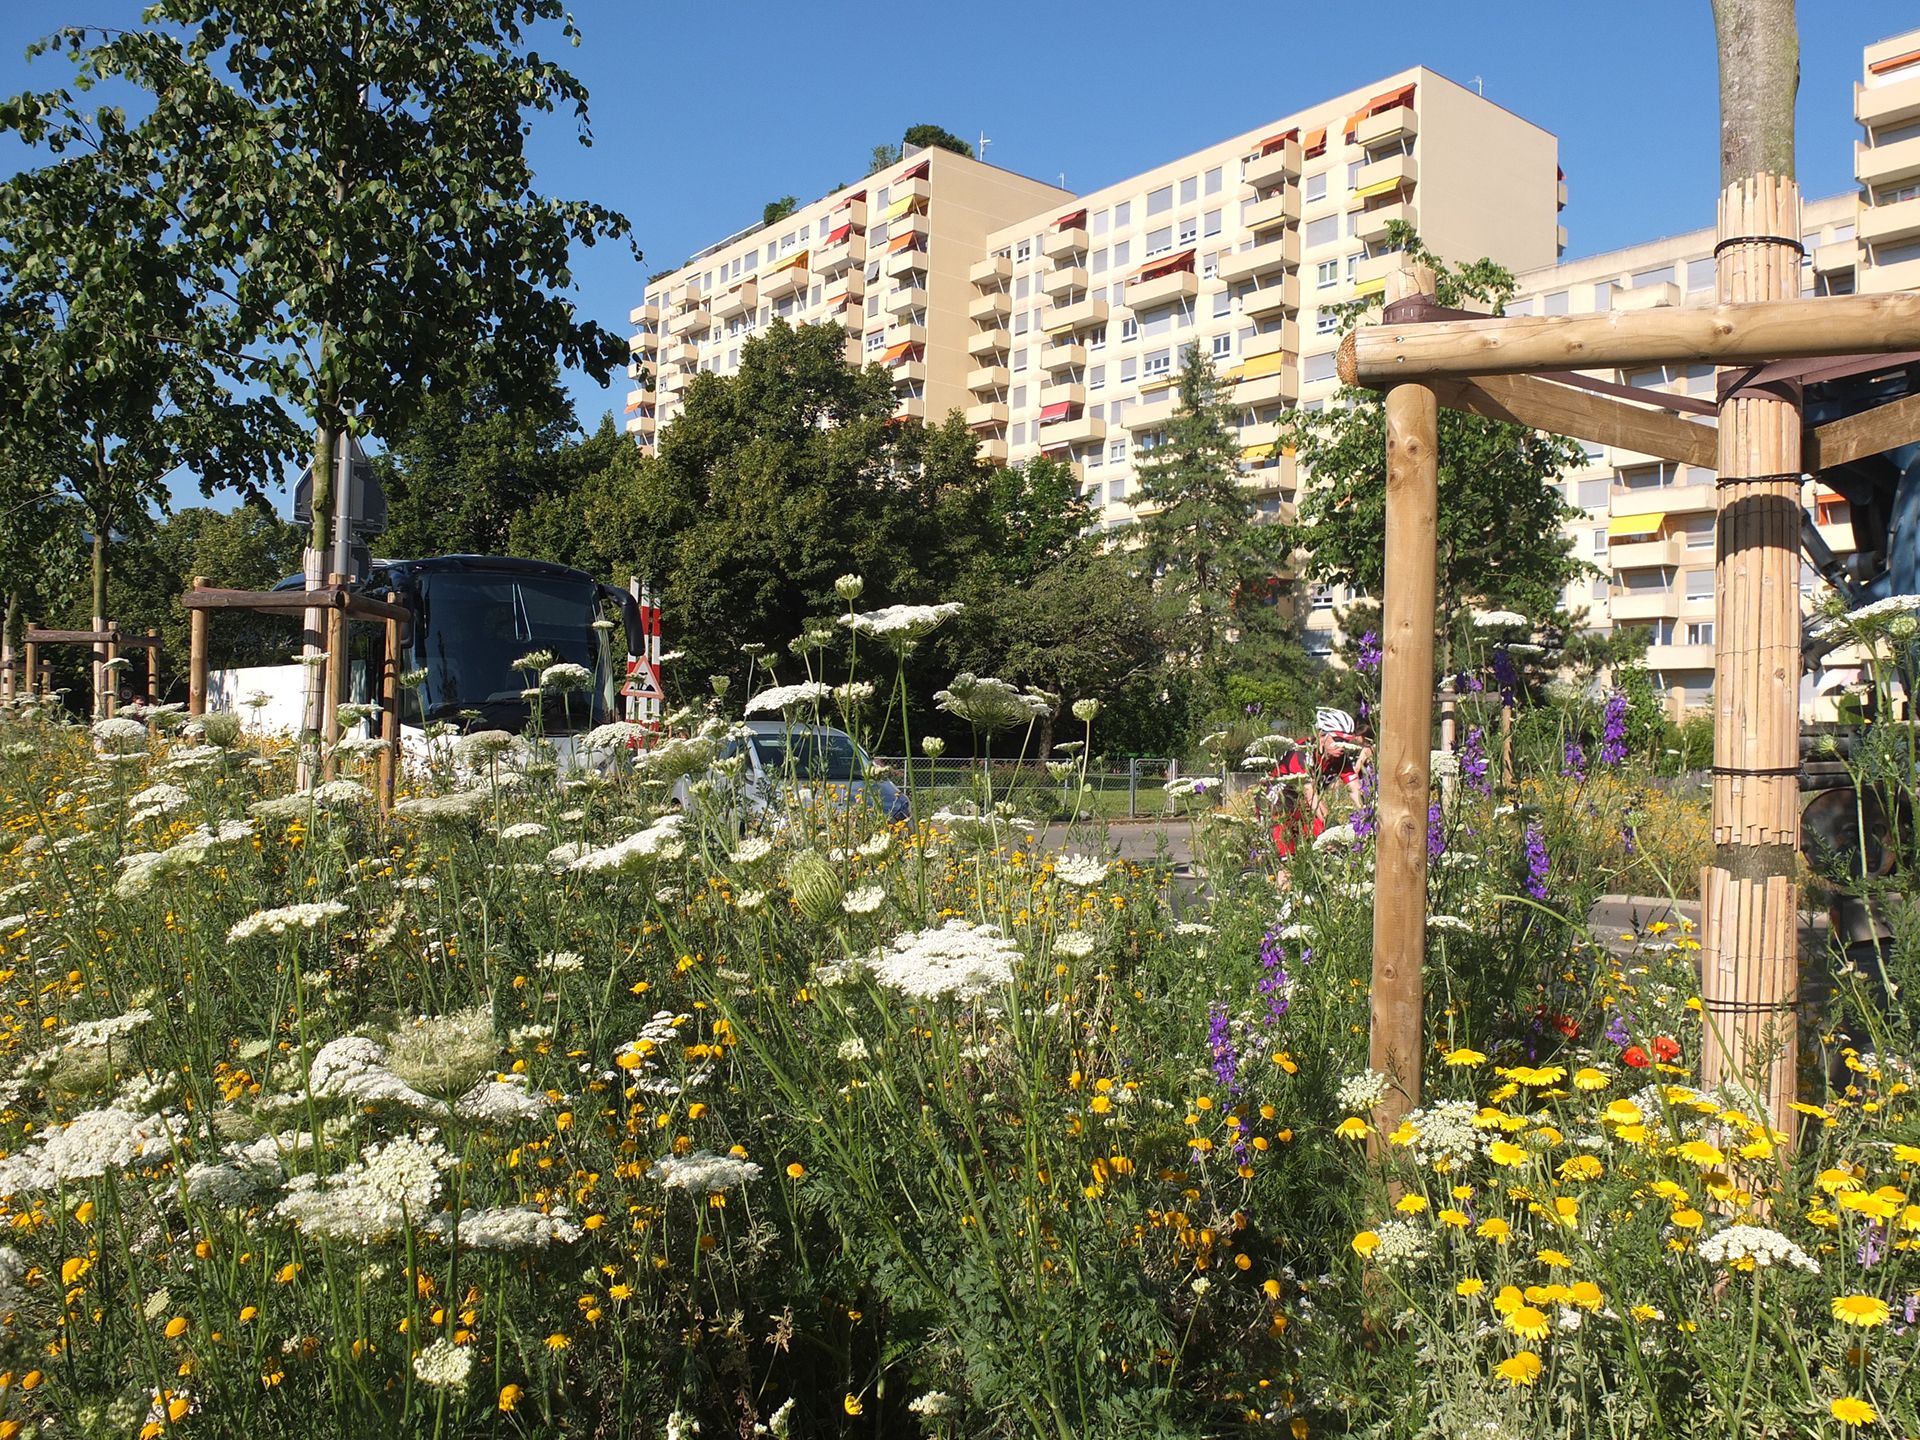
<point x="702" y="113"/>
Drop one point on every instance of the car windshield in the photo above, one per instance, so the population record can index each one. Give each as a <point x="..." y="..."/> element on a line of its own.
<point x="474" y="624"/>
<point x="812" y="754"/>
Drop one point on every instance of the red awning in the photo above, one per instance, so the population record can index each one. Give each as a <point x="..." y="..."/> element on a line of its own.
<point x="1274" y="142"/>
<point x="834" y="237"/>
<point x="1056" y="411"/>
<point x="918" y="172"/>
<point x="1071" y="219"/>
<point x="905" y="350"/>
<point x="1315" y="143"/>
<point x="1386" y="100"/>
<point x="1164" y="265"/>
<point x="903" y="242"/>
<point x="856" y="195"/>
<point x="1893" y="62"/>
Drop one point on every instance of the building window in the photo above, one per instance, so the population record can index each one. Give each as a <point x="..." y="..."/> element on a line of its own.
<point x="1117" y="450"/>
<point x="1326" y="322"/>
<point x="1699" y="632"/>
<point x="1222" y="304"/>
<point x="1661" y="275"/>
<point x="1023" y="251"/>
<point x="1129" y="368"/>
<point x="1701" y="274"/>
<point x="1189" y="231"/>
<point x="1600" y="540"/>
<point x="1019" y="361"/>
<point x="1353" y="264"/>
<point x="1326" y="274"/>
<point x="1213" y="180"/>
<point x="1603" y="295"/>
<point x="1210" y="266"/>
<point x="1222" y="346"/>
<point x="1129" y="329"/>
<point x="1699" y="585"/>
<point x="1159" y="201"/>
<point x="1099" y="263"/>
<point x="1159" y="242"/>
<point x="1097" y="377"/>
<point x="1018" y="435"/>
<point x="1555" y="304"/>
<point x="1323" y="231"/>
<point x="1122" y="253"/>
<point x="1189" y="189"/>
<point x="1158" y="362"/>
<point x="1319" y="367"/>
<point x="1210" y="223"/>
<point x="1123" y="214"/>
<point x="1593" y="494"/>
<point x="1315" y="187"/>
<point x="1353" y="174"/>
<point x="1099" y="226"/>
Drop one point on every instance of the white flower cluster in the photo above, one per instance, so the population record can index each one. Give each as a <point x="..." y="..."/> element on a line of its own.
<point x="934" y="1402"/>
<point x="901" y="622"/>
<point x="957" y="959"/>
<point x="1402" y="1244"/>
<point x="101" y="1140"/>
<point x="498" y="1101"/>
<point x="516" y="1227"/>
<point x="119" y="736"/>
<point x="865" y="900"/>
<point x="1443" y="765"/>
<point x="523" y="830"/>
<point x="1758" y="1244"/>
<point x="562" y="962"/>
<point x="374" y="1197"/>
<point x="659" y="840"/>
<point x="1081" y="871"/>
<point x="778" y="698"/>
<point x="157" y="800"/>
<point x="278" y="921"/>
<point x="103" y="1032"/>
<point x="1444" y="1134"/>
<point x="454" y="805"/>
<point x="1360" y="1093"/>
<point x="1334" y="835"/>
<point x="1191" y="785"/>
<point x="565" y="676"/>
<point x="616" y="735"/>
<point x="751" y="850"/>
<point x="444" y="1365"/>
<point x="1074" y="944"/>
<point x="702" y="1172"/>
<point x="1500" y="620"/>
<point x="355" y="1068"/>
<point x="189" y="852"/>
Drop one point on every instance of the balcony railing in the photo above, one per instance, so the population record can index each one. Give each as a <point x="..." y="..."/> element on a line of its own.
<point x="792" y="280"/>
<point x="1285" y="336"/>
<point x="1880" y="164"/>
<point x="995" y="305"/>
<point x="1883" y="224"/>
<point x="740" y="300"/>
<point x="1063" y="392"/>
<point x="991" y="341"/>
<point x="1370" y="226"/>
<point x="1064" y="280"/>
<point x="987" y="379"/>
<point x="1069" y="355"/>
<point x="905" y="299"/>
<point x="1269" y="257"/>
<point x="994" y="271"/>
<point x="644" y="315"/>
<point x="1057" y="244"/>
<point x="1888" y="104"/>
<point x="988" y="412"/>
<point x="1281" y="387"/>
<point x="1279" y="208"/>
<point x="1079" y="430"/>
<point x="1400" y="123"/>
<point x="1162" y="289"/>
<point x="1080" y="315"/>
<point x="1278" y="164"/>
<point x="1279" y="297"/>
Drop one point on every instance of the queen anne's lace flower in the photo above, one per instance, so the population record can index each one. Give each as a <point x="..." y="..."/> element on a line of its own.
<point x="703" y="1172"/>
<point x="777" y="698"/>
<point x="659" y="840"/>
<point x="284" y="918"/>
<point x="1082" y="871"/>
<point x="1074" y="945"/>
<point x="865" y="900"/>
<point x="1360" y="1093"/>
<point x="444" y="1365"/>
<point x="957" y="959"/>
<point x="355" y="1068"/>
<point x="516" y="1227"/>
<point x="1755" y="1247"/>
<point x="896" y="622"/>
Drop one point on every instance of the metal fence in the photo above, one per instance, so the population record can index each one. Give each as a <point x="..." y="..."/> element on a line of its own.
<point x="1128" y="788"/>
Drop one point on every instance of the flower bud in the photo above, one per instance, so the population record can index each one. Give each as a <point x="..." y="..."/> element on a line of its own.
<point x="721" y="684"/>
<point x="848" y="587"/>
<point x="933" y="746"/>
<point x="1086" y="711"/>
<point x="816" y="890"/>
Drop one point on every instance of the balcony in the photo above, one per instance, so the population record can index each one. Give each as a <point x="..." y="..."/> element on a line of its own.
<point x="989" y="412"/>
<point x="1885" y="279"/>
<point x="1884" y="224"/>
<point x="1285" y="336"/>
<point x="1560" y="196"/>
<point x="1370" y="226"/>
<point x="680" y="352"/>
<point x="1069" y="355"/>
<point x="1888" y="104"/>
<point x="1839" y="256"/>
<point x="688" y="294"/>
<point x="1644" y="605"/>
<point x="1280" y="387"/>
<point x="1061" y="244"/>
<point x="910" y="407"/>
<point x="906" y="334"/>
<point x="1063" y="392"/>
<point x="918" y="189"/>
<point x="1881" y="164"/>
<point x="640" y="344"/>
<point x="1377" y="177"/>
<point x="908" y="372"/>
<point x="1279" y="208"/>
<point x="1162" y="289"/>
<point x="1268" y="258"/>
<point x="1670" y="658"/>
<point x="693" y="322"/>
<point x="905" y="299"/>
<point x="1066" y="280"/>
<point x="671" y="384"/>
<point x="1387" y="128"/>
<point x="1079" y="430"/>
<point x="996" y="305"/>
<point x="1150" y="414"/>
<point x="644" y="315"/>
<point x="641" y="424"/>
<point x="1281" y="297"/>
<point x="1647" y="297"/>
<point x="831" y="259"/>
<point x="1280" y="163"/>
<point x="1663" y="551"/>
<point x="991" y="341"/>
<point x="993" y="449"/>
<point x="1081" y="315"/>
<point x="792" y="279"/>
<point x="740" y="300"/>
<point x="987" y="379"/>
<point x="849" y="212"/>
<point x="995" y="270"/>
<point x="906" y="262"/>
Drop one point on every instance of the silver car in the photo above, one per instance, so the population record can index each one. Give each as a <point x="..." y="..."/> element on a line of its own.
<point x="801" y="763"/>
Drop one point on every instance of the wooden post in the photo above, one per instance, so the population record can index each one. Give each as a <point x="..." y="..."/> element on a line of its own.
<point x="1506" y="745"/>
<point x="1397" y="1047"/>
<point x="390" y="712"/>
<point x="108" y="700"/>
<point x="197" y="655"/>
<point x="1749" y="896"/>
<point x="153" y="667"/>
<point x="32" y="650"/>
<point x="336" y="676"/>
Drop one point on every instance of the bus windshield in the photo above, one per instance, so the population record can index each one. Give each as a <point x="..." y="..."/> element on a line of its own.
<point x="473" y="624"/>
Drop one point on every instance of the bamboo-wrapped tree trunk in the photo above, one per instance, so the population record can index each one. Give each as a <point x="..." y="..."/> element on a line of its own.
<point x="1749" y="893"/>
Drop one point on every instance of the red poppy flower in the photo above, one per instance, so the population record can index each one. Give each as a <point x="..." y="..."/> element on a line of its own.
<point x="1665" y="1050"/>
<point x="1567" y="1026"/>
<point x="1636" y="1057"/>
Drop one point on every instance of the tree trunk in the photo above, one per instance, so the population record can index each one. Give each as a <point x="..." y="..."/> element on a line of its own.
<point x="101" y="514"/>
<point x="1749" y="980"/>
<point x="9" y="687"/>
<point x="314" y="566"/>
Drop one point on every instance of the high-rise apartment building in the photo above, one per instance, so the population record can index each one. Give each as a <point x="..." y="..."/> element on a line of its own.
<point x="1648" y="524"/>
<point x="887" y="259"/>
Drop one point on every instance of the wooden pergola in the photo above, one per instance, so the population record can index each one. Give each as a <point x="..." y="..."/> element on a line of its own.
<point x="342" y="605"/>
<point x="106" y="645"/>
<point x="1521" y="369"/>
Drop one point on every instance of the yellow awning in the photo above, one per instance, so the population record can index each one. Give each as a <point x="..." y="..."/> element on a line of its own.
<point x="798" y="258"/>
<point x="1648" y="524"/>
<point x="1159" y="382"/>
<point x="1378" y="187"/>
<point x="1257" y="452"/>
<point x="1263" y="365"/>
<point x="1371" y="287"/>
<point x="905" y="205"/>
<point x="1229" y="377"/>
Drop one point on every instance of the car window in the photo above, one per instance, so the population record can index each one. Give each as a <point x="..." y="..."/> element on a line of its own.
<point x="812" y="755"/>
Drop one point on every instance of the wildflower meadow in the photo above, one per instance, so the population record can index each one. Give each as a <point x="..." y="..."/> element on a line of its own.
<point x="580" y="1099"/>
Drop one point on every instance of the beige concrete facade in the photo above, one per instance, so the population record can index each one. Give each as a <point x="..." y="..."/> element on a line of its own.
<point x="888" y="259"/>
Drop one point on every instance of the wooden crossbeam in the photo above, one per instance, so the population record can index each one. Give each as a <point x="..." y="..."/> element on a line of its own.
<point x="125" y="640"/>
<point x="1581" y="414"/>
<point x="1744" y="334"/>
<point x="295" y="602"/>
<point x="1857" y="436"/>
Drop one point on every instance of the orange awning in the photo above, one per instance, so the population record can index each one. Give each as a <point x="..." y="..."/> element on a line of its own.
<point x="1274" y="142"/>
<point x="1893" y="62"/>
<point x="902" y="242"/>
<point x="1386" y="100"/>
<point x="1164" y="265"/>
<point x="905" y="350"/>
<point x="799" y="257"/>
<point x="1315" y="143"/>
<point x="1070" y="219"/>
<point x="918" y="172"/>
